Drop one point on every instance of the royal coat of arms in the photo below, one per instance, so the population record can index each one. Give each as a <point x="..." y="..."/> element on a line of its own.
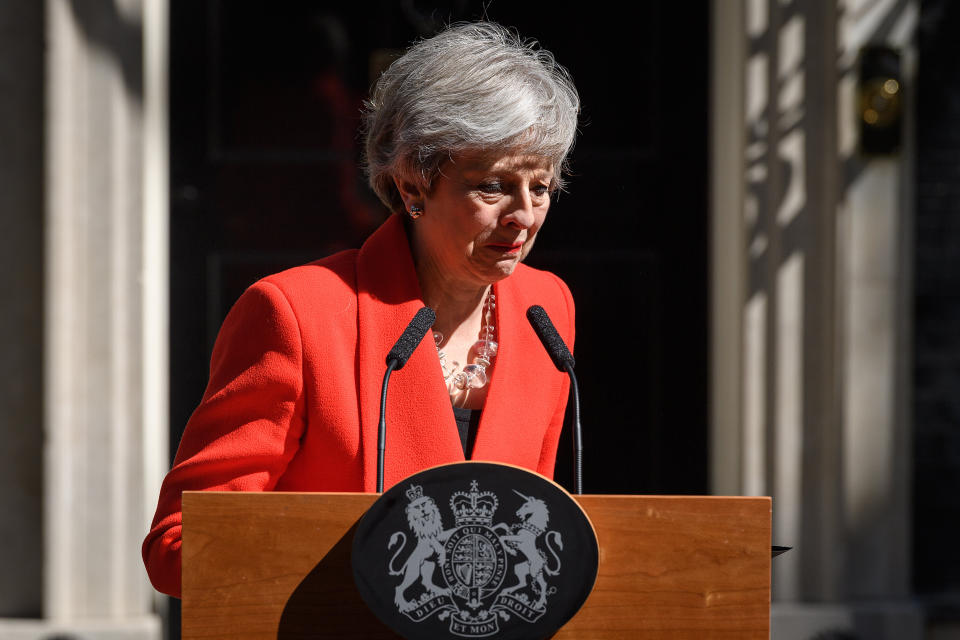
<point x="475" y="573"/>
<point x="475" y="550"/>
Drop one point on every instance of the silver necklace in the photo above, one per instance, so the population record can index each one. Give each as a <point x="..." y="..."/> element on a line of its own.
<point x="474" y="375"/>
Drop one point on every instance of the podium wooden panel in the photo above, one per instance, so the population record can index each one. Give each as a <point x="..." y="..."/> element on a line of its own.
<point x="277" y="565"/>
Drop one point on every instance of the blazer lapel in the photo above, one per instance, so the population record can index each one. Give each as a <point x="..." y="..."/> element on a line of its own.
<point x="421" y="431"/>
<point x="519" y="400"/>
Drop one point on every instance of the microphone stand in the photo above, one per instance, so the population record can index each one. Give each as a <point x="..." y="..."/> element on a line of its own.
<point x="577" y="437"/>
<point x="401" y="351"/>
<point x="382" y="436"/>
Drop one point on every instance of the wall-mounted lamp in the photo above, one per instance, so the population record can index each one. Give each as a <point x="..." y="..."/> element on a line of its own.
<point x="880" y="106"/>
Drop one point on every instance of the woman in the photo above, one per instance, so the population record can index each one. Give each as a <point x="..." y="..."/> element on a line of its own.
<point x="467" y="137"/>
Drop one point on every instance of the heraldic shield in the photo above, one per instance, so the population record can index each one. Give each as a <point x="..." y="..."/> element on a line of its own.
<point x="475" y="550"/>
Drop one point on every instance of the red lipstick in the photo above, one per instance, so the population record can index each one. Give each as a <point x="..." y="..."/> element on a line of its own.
<point x="506" y="247"/>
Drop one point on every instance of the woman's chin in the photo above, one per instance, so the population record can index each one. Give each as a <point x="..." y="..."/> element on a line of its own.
<point x="494" y="273"/>
<point x="506" y="265"/>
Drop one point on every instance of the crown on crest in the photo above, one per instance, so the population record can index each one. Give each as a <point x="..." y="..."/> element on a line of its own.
<point x="473" y="508"/>
<point x="414" y="493"/>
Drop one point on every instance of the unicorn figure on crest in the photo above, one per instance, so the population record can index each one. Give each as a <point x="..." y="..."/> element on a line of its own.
<point x="522" y="537"/>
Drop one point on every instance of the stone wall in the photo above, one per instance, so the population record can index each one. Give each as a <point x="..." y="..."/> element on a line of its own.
<point x="817" y="302"/>
<point x="83" y="339"/>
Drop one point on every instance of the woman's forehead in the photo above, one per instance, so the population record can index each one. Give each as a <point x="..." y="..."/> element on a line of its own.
<point x="480" y="162"/>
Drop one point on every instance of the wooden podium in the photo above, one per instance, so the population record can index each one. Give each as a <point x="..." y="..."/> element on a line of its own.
<point x="277" y="565"/>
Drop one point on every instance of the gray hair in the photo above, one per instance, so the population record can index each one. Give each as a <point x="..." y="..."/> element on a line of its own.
<point x="472" y="87"/>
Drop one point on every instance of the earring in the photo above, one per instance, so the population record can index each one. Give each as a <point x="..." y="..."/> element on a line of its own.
<point x="415" y="211"/>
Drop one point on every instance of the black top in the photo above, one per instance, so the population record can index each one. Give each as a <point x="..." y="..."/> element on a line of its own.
<point x="467" y="421"/>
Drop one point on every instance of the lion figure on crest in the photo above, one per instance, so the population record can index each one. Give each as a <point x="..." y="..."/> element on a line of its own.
<point x="426" y="523"/>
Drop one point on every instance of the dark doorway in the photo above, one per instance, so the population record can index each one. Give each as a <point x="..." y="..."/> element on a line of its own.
<point x="264" y="112"/>
<point x="936" y="501"/>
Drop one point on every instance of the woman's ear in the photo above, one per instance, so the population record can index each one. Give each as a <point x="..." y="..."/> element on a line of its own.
<point x="412" y="194"/>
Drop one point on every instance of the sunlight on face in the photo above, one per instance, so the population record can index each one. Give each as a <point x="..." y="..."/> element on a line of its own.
<point x="482" y="216"/>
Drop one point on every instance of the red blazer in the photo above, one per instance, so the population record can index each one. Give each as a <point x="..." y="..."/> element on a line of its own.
<point x="293" y="398"/>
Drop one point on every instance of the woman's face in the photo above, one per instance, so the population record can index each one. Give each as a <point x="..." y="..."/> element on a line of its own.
<point x="481" y="216"/>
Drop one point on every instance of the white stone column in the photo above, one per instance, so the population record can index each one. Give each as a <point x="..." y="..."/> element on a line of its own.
<point x="105" y="329"/>
<point x="811" y="271"/>
<point x="728" y="262"/>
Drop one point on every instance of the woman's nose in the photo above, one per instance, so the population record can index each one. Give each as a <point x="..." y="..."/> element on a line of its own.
<point x="521" y="214"/>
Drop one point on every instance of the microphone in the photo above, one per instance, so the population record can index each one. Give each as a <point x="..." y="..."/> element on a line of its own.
<point x="563" y="360"/>
<point x="396" y="358"/>
<point x="551" y="340"/>
<point x="411" y="337"/>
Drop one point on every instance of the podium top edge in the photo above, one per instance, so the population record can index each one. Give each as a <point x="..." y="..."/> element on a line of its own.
<point x="618" y="496"/>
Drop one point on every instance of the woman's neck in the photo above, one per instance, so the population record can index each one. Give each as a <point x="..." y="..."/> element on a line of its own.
<point x="457" y="305"/>
<point x="455" y="301"/>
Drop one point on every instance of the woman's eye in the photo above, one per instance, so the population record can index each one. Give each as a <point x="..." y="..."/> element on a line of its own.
<point x="491" y="187"/>
<point x="541" y="190"/>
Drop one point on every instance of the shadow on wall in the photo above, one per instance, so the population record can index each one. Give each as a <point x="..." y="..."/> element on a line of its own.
<point x="790" y="333"/>
<point x="108" y="29"/>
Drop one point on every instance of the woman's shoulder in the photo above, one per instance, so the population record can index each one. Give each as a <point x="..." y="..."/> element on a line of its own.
<point x="536" y="287"/>
<point x="538" y="282"/>
<point x="305" y="291"/>
<point x="321" y="278"/>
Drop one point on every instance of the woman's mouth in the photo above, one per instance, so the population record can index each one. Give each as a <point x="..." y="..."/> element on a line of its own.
<point x="506" y="247"/>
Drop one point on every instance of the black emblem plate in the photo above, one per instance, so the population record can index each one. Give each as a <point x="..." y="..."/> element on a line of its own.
<point x="475" y="550"/>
